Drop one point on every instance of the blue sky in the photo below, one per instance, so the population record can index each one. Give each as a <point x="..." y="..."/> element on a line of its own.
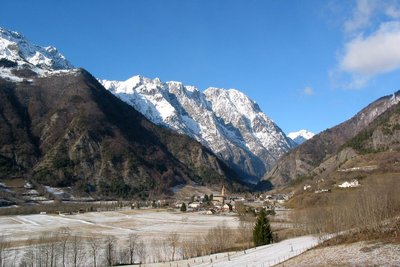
<point x="308" y="64"/>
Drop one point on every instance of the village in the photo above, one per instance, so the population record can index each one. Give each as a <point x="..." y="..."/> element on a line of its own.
<point x="222" y="203"/>
<point x="193" y="225"/>
<point x="62" y="200"/>
<point x="41" y="199"/>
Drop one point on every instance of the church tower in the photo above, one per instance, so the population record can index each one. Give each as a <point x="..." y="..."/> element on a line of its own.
<point x="223" y="194"/>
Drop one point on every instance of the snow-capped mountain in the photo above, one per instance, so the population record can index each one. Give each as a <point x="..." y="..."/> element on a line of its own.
<point x="300" y="136"/>
<point x="17" y="52"/>
<point x="226" y="121"/>
<point x="53" y="113"/>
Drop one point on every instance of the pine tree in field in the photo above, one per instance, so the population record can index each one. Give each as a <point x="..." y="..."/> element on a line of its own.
<point x="183" y="207"/>
<point x="262" y="234"/>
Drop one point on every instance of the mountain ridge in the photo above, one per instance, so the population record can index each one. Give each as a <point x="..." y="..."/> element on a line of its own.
<point x="303" y="159"/>
<point x="226" y="121"/>
<point x="17" y="48"/>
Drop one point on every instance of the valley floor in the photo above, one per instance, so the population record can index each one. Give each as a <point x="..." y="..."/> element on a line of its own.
<point x="148" y="224"/>
<point x="154" y="226"/>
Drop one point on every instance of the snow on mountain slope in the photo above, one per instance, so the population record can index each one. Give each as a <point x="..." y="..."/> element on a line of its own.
<point x="301" y="136"/>
<point x="18" y="53"/>
<point x="226" y="121"/>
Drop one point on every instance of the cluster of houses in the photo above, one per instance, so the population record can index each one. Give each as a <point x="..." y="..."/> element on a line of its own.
<point x="345" y="184"/>
<point x="222" y="203"/>
<point x="211" y="204"/>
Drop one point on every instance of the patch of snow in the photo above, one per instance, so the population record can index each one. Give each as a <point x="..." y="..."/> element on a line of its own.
<point x="28" y="185"/>
<point x="192" y="125"/>
<point x="307" y="187"/>
<point x="58" y="192"/>
<point x="6" y="74"/>
<point x="267" y="255"/>
<point x="361" y="168"/>
<point x="31" y="192"/>
<point x="321" y="191"/>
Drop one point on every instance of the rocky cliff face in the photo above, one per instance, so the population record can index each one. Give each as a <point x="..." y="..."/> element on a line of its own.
<point x="226" y="121"/>
<point x="302" y="160"/>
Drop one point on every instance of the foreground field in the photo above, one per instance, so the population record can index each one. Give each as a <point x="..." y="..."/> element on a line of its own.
<point x="109" y="238"/>
<point x="356" y="254"/>
<point x="262" y="256"/>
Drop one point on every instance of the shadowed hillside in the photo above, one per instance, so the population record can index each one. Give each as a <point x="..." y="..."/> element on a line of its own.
<point x="67" y="130"/>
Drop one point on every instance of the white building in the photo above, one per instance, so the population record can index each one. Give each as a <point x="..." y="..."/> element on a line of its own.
<point x="346" y="184"/>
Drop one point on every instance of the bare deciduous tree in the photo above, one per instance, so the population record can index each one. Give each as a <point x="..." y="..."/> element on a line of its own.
<point x="94" y="246"/>
<point x="219" y="238"/>
<point x="4" y="246"/>
<point x="64" y="236"/>
<point x="157" y="251"/>
<point x="192" y="247"/>
<point x="141" y="252"/>
<point x="28" y="258"/>
<point x="173" y="240"/>
<point x="245" y="233"/>
<point x="76" y="250"/>
<point x="132" y="243"/>
<point x="110" y="249"/>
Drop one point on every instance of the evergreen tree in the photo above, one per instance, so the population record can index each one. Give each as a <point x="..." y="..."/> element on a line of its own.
<point x="206" y="199"/>
<point x="183" y="207"/>
<point x="262" y="234"/>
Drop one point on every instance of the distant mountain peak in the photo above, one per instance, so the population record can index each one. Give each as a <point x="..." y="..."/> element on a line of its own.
<point x="14" y="47"/>
<point x="301" y="136"/>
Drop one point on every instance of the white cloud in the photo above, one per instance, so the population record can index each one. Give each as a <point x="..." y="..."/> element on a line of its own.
<point x="372" y="46"/>
<point x="374" y="54"/>
<point x="308" y="91"/>
<point x="361" y="15"/>
<point x="393" y="11"/>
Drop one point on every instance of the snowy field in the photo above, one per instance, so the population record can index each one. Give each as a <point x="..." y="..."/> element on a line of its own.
<point x="263" y="256"/>
<point x="148" y="224"/>
<point x="152" y="227"/>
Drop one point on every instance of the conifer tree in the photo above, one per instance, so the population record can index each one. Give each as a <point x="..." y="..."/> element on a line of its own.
<point x="183" y="207"/>
<point x="262" y="234"/>
<point x="206" y="199"/>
